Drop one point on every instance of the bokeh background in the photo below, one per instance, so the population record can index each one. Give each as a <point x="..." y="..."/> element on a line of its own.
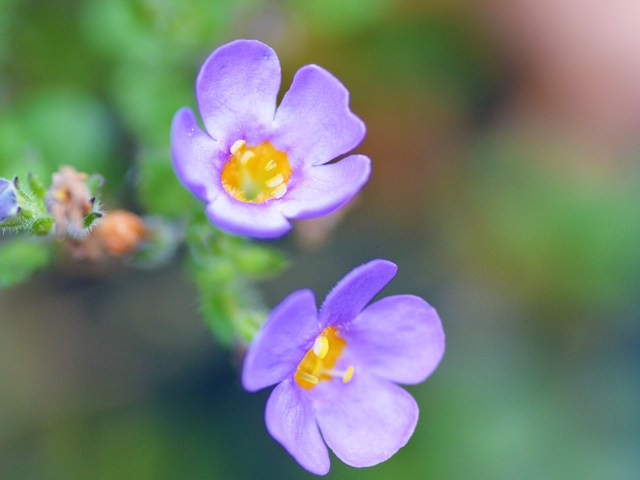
<point x="505" y="185"/>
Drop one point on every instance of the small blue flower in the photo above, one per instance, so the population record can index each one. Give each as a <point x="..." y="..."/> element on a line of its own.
<point x="257" y="167"/>
<point x="8" y="200"/>
<point x="337" y="370"/>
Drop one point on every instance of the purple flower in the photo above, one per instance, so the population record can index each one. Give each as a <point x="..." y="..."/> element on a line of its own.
<point x="337" y="369"/>
<point x="256" y="167"/>
<point x="8" y="200"/>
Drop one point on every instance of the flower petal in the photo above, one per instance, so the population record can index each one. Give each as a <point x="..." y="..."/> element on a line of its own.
<point x="313" y="123"/>
<point x="8" y="201"/>
<point x="290" y="420"/>
<point x="319" y="190"/>
<point x="257" y="220"/>
<point x="194" y="155"/>
<point x="351" y="294"/>
<point x="282" y="342"/>
<point x="399" y="338"/>
<point x="236" y="90"/>
<point x="366" y="420"/>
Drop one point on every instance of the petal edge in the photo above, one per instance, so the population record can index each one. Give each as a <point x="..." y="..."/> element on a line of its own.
<point x="351" y="294"/>
<point x="365" y="421"/>
<point x="282" y="341"/>
<point x="291" y="421"/>
<point x="314" y="122"/>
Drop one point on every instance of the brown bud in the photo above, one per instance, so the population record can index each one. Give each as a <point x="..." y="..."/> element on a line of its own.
<point x="120" y="231"/>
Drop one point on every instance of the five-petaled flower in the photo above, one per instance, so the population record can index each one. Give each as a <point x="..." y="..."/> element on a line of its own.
<point x="256" y="167"/>
<point x="8" y="200"/>
<point x="337" y="369"/>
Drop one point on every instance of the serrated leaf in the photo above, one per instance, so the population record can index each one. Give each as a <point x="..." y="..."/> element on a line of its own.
<point x="19" y="258"/>
<point x="91" y="218"/>
<point x="36" y="186"/>
<point x="42" y="226"/>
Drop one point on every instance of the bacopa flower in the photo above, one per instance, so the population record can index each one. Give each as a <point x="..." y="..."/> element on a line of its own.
<point x="256" y="167"/>
<point x="337" y="370"/>
<point x="8" y="200"/>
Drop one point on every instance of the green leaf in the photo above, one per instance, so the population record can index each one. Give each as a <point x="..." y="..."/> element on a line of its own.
<point x="91" y="218"/>
<point x="42" y="226"/>
<point x="36" y="186"/>
<point x="21" y="257"/>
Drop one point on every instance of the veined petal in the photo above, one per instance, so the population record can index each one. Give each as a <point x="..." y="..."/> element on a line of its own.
<point x="236" y="91"/>
<point x="290" y="420"/>
<point x="351" y="294"/>
<point x="282" y="342"/>
<point x="366" y="420"/>
<point x="257" y="220"/>
<point x="313" y="123"/>
<point x="399" y="338"/>
<point x="194" y="155"/>
<point x="319" y="190"/>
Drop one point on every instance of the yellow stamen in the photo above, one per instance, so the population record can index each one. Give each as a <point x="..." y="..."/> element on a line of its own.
<point x="237" y="145"/>
<point x="306" y="377"/>
<point x="321" y="347"/>
<point x="273" y="182"/>
<point x="246" y="156"/>
<point x="348" y="375"/>
<point x="320" y="360"/>
<point x="279" y="191"/>
<point x="255" y="173"/>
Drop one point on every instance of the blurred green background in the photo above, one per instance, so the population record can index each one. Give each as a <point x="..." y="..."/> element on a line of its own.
<point x="505" y="185"/>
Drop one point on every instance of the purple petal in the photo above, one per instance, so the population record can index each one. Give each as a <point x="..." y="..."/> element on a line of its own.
<point x="236" y="90"/>
<point x="8" y="202"/>
<point x="319" y="190"/>
<point x="290" y="420"/>
<point x="366" y="420"/>
<point x="313" y="123"/>
<point x="257" y="220"/>
<point x="399" y="338"/>
<point x="282" y="342"/>
<point x="194" y="155"/>
<point x="351" y="294"/>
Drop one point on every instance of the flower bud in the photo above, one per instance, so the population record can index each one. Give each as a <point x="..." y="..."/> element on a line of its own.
<point x="121" y="232"/>
<point x="8" y="200"/>
<point x="69" y="201"/>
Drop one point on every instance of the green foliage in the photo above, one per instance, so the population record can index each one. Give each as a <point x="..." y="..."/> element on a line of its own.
<point x="258" y="260"/>
<point x="19" y="258"/>
<point x="70" y="127"/>
<point x="331" y="18"/>
<point x="555" y="235"/>
<point x="222" y="265"/>
<point x="91" y="218"/>
<point x="146" y="31"/>
<point x="42" y="226"/>
<point x="37" y="188"/>
<point x="160" y="190"/>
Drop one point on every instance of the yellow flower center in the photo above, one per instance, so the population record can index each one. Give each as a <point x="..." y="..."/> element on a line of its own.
<point x="256" y="174"/>
<point x="319" y="361"/>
